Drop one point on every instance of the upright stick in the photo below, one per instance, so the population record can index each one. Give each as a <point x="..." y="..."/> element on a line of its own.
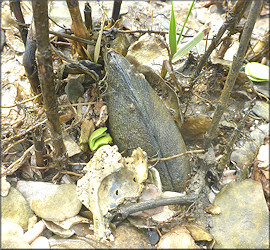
<point x="234" y="71"/>
<point x="46" y="78"/>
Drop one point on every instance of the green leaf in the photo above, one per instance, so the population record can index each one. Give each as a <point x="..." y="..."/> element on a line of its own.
<point x="99" y="138"/>
<point x="257" y="72"/>
<point x="107" y="139"/>
<point x="190" y="8"/>
<point x="190" y="44"/>
<point x="172" y="33"/>
<point x="95" y="136"/>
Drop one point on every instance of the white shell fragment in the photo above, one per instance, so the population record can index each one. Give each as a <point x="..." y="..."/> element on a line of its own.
<point x="5" y="186"/>
<point x="111" y="180"/>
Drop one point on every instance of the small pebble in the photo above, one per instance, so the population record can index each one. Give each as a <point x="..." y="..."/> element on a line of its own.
<point x="153" y="237"/>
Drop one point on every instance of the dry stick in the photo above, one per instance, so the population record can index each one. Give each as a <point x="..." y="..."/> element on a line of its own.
<point x="74" y="38"/>
<point x="116" y="10"/>
<point x="14" y="144"/>
<point x="168" y="67"/>
<point x="46" y="78"/>
<point x="76" y="104"/>
<point x="145" y="31"/>
<point x="72" y="173"/>
<point x="229" y="147"/>
<point x="17" y="123"/>
<point x="226" y="44"/>
<point x="123" y="212"/>
<point x="78" y="65"/>
<point x="22" y="102"/>
<point x="23" y="133"/>
<point x="62" y="27"/>
<point x="88" y="16"/>
<point x="232" y="20"/>
<point x="175" y="156"/>
<point x="81" y="40"/>
<point x="77" y="164"/>
<point x="38" y="139"/>
<point x="78" y="25"/>
<point x="18" y="163"/>
<point x="234" y="70"/>
<point x="16" y="7"/>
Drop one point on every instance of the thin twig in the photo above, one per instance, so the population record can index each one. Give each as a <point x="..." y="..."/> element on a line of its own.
<point x="25" y="132"/>
<point x="77" y="164"/>
<point x="72" y="126"/>
<point x="144" y="31"/>
<point x="18" y="163"/>
<point x="20" y="121"/>
<point x="175" y="156"/>
<point x="41" y="168"/>
<point x="75" y="38"/>
<point x="80" y="66"/>
<point x="75" y="104"/>
<point x="71" y="173"/>
<point x="206" y="100"/>
<point x="22" y="102"/>
<point x="232" y="19"/>
<point x="14" y="144"/>
<point x="58" y="24"/>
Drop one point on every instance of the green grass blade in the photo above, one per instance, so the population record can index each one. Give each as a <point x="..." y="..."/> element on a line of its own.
<point x="190" y="44"/>
<point x="172" y="33"/>
<point x="178" y="40"/>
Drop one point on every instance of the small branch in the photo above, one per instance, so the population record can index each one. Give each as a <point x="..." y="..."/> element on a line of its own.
<point x="226" y="44"/>
<point x="143" y="31"/>
<point x="16" y="8"/>
<point x="39" y="146"/>
<point x="81" y="40"/>
<point x="22" y="102"/>
<point x="232" y="19"/>
<point x="88" y="16"/>
<point x="46" y="78"/>
<point x="72" y="173"/>
<point x="25" y="132"/>
<point x="14" y="144"/>
<point x="123" y="212"/>
<point x="76" y="104"/>
<point x="116" y="10"/>
<point x="175" y="156"/>
<point x="78" y="65"/>
<point x="77" y="164"/>
<point x="18" y="163"/>
<point x="64" y="28"/>
<point x="78" y="25"/>
<point x="169" y="68"/>
<point x="74" y="38"/>
<point x="234" y="71"/>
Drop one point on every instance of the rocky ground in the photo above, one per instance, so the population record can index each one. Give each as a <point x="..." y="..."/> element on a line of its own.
<point x="44" y="209"/>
